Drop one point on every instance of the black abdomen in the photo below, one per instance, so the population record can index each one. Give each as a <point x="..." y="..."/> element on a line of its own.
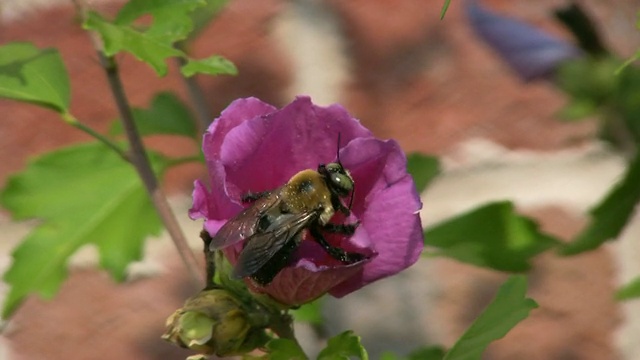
<point x="280" y="260"/>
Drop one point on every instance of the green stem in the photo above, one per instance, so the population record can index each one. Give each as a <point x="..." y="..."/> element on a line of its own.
<point x="73" y="121"/>
<point x="282" y="325"/>
<point x="184" y="160"/>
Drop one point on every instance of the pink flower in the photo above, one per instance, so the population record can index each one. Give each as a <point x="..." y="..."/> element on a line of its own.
<point x="255" y="147"/>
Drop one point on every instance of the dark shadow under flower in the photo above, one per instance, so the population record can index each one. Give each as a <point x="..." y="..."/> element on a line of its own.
<point x="255" y="147"/>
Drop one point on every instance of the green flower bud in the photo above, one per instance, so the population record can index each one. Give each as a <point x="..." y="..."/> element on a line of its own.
<point x="215" y="322"/>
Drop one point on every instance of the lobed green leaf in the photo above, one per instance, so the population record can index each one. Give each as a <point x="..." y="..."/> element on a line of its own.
<point x="508" y="308"/>
<point x="492" y="236"/>
<point x="82" y="195"/>
<point x="344" y="346"/>
<point x="153" y="50"/>
<point x="214" y="65"/>
<point x="33" y="75"/>
<point x="172" y="20"/>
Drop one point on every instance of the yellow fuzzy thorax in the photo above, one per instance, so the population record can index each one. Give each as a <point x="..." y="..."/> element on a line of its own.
<point x="307" y="190"/>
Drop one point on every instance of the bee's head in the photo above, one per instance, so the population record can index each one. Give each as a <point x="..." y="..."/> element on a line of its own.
<point x="337" y="177"/>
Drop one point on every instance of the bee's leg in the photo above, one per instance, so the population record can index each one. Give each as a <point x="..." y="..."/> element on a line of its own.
<point x="345" y="229"/>
<point x="338" y="206"/>
<point x="343" y="209"/>
<point x="335" y="252"/>
<point x="253" y="196"/>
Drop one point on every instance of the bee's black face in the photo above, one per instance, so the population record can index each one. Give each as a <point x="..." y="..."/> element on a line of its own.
<point x="338" y="179"/>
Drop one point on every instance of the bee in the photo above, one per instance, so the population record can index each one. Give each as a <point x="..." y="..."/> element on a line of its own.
<point x="273" y="226"/>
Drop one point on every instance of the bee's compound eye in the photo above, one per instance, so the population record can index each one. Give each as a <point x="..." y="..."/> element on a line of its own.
<point x="342" y="182"/>
<point x="334" y="168"/>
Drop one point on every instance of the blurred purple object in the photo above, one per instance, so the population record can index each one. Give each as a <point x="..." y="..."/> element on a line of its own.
<point x="531" y="52"/>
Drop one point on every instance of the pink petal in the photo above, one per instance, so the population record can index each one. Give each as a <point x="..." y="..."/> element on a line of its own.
<point x="390" y="207"/>
<point x="274" y="148"/>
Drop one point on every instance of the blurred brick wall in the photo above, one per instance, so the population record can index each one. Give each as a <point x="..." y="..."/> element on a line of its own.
<point x="428" y="83"/>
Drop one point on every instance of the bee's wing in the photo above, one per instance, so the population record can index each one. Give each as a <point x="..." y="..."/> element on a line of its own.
<point x="243" y="225"/>
<point x="261" y="247"/>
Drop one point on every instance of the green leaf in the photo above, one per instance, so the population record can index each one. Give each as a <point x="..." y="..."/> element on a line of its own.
<point x="172" y="19"/>
<point x="283" y="349"/>
<point x="588" y="79"/>
<point x="310" y="313"/>
<point x="343" y="347"/>
<point x="35" y="76"/>
<point x="427" y="353"/>
<point x="167" y="114"/>
<point x="150" y="49"/>
<point x="492" y="236"/>
<point x="611" y="215"/>
<point x="204" y="15"/>
<point x="424" y="353"/>
<point x="423" y="169"/>
<point x="82" y="195"/>
<point x="508" y="308"/>
<point x="578" y="109"/>
<point x="214" y="65"/>
<point x="629" y="291"/>
<point x="445" y="6"/>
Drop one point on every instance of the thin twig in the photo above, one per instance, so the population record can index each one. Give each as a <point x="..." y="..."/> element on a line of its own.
<point x="139" y="159"/>
<point x="203" y="115"/>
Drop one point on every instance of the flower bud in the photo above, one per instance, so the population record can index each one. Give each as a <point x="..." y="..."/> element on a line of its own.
<point x="215" y="322"/>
